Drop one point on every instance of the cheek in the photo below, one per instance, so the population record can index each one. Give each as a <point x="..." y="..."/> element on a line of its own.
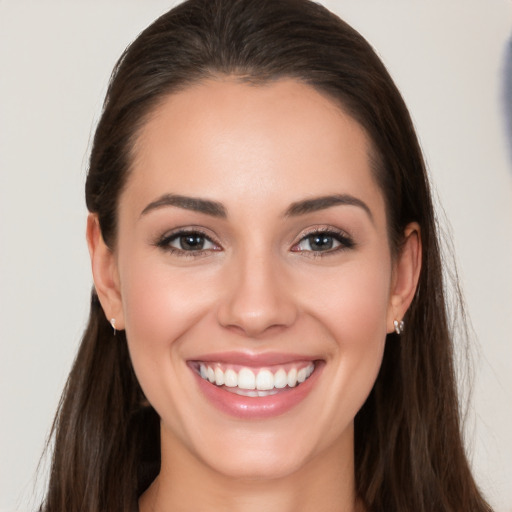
<point x="353" y="307"/>
<point x="353" y="302"/>
<point x="159" y="307"/>
<point x="160" y="300"/>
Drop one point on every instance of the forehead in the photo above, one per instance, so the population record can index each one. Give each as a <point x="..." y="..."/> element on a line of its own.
<point x="236" y="141"/>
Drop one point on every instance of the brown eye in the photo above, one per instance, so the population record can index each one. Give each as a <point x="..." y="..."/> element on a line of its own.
<point x="320" y="242"/>
<point x="190" y="242"/>
<point x="187" y="242"/>
<point x="323" y="241"/>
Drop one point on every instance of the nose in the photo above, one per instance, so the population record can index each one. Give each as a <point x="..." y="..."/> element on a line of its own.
<point x="258" y="297"/>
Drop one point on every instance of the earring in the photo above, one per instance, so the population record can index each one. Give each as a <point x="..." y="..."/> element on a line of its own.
<point x="399" y="326"/>
<point x="113" y="324"/>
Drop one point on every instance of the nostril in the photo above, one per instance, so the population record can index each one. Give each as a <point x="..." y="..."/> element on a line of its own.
<point x="256" y="299"/>
<point x="253" y="318"/>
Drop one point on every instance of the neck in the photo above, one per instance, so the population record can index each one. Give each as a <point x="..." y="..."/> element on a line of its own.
<point x="325" y="483"/>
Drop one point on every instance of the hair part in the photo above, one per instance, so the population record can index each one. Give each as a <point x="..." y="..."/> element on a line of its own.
<point x="408" y="449"/>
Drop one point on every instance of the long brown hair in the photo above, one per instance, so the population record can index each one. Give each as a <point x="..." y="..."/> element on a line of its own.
<point x="409" y="455"/>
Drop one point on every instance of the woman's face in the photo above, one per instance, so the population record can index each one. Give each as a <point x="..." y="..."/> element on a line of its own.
<point x="252" y="254"/>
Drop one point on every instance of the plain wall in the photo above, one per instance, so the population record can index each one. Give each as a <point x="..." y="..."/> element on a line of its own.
<point x="448" y="59"/>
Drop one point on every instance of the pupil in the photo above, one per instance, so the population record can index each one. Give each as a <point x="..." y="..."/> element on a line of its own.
<point x="192" y="242"/>
<point x="321" y="242"/>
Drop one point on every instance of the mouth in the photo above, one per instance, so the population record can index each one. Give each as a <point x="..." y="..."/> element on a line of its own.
<point x="255" y="390"/>
<point x="255" y="382"/>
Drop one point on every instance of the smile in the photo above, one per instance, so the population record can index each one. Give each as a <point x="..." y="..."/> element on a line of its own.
<point x="254" y="382"/>
<point x="256" y="387"/>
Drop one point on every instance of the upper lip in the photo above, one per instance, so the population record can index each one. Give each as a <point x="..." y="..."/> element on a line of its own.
<point x="252" y="359"/>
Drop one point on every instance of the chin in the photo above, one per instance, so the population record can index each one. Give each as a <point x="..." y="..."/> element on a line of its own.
<point x="259" y="465"/>
<point x="275" y="452"/>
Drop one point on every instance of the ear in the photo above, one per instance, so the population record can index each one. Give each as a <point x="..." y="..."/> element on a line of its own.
<point x="406" y="273"/>
<point x="105" y="273"/>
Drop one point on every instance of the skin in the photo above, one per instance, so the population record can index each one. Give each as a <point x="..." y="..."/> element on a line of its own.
<point x="257" y="288"/>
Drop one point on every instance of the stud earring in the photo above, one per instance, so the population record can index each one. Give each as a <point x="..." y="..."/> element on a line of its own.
<point x="113" y="324"/>
<point x="399" y="326"/>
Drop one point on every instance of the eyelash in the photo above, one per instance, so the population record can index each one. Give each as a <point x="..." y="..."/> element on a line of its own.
<point x="343" y="239"/>
<point x="345" y="242"/>
<point x="165" y="243"/>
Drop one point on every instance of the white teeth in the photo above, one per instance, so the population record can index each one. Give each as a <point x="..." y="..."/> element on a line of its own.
<point x="219" y="376"/>
<point x="280" y="379"/>
<point x="301" y="375"/>
<point x="230" y="378"/>
<point x="246" y="379"/>
<point x="292" y="377"/>
<point x="264" y="382"/>
<point x="252" y="393"/>
<point x="267" y="393"/>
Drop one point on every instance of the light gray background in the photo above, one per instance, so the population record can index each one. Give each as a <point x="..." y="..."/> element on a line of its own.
<point x="447" y="57"/>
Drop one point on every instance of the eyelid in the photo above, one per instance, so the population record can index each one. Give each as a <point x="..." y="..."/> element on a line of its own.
<point x="345" y="240"/>
<point x="163" y="241"/>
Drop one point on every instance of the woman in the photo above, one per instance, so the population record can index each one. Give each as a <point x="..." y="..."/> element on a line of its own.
<point x="268" y="326"/>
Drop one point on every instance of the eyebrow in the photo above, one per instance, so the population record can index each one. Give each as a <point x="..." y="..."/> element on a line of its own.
<point x="321" y="203"/>
<point x="206" y="206"/>
<point x="217" y="209"/>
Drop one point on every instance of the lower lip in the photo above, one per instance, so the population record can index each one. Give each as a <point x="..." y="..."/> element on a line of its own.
<point x="257" y="407"/>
